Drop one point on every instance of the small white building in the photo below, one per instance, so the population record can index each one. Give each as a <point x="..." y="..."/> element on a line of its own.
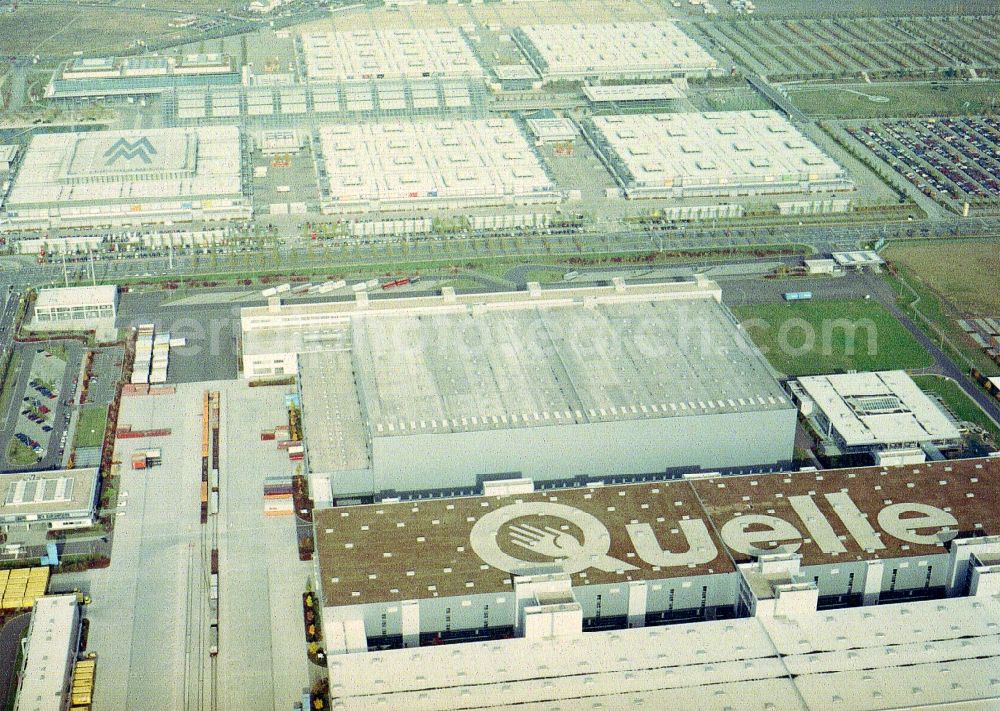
<point x="75" y="308"/>
<point x="820" y="266"/>
<point x="50" y="652"/>
<point x="882" y="413"/>
<point x="56" y="500"/>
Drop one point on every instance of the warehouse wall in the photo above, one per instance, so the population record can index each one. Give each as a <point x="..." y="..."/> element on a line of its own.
<point x="461" y="460"/>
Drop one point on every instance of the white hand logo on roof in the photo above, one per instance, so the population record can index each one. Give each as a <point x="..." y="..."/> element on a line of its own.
<point x="550" y="542"/>
<point x="572" y="554"/>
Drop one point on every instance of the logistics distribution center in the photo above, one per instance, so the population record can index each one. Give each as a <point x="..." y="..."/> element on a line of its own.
<point x="388" y="54"/>
<point x="623" y="50"/>
<point x="721" y="153"/>
<point x="778" y="586"/>
<point x="564" y="384"/>
<point x="441" y="163"/>
<point x="116" y="178"/>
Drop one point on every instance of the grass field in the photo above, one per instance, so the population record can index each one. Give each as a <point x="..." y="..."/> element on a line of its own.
<point x="19" y="455"/>
<point x="813" y="337"/>
<point x="964" y="272"/>
<point x="957" y="401"/>
<point x="904" y="99"/>
<point x="90" y="427"/>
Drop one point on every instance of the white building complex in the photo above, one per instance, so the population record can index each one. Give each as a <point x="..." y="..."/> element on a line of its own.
<point x="870" y="588"/>
<point x="443" y="393"/>
<point x="116" y="178"/>
<point x="61" y="499"/>
<point x="885" y="414"/>
<point x="723" y="153"/>
<point x="623" y="50"/>
<point x="388" y="54"/>
<point x="77" y="306"/>
<point x="50" y="653"/>
<point x="429" y="164"/>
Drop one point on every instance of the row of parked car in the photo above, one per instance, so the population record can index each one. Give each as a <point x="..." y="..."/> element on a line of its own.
<point x="951" y="160"/>
<point x="28" y="442"/>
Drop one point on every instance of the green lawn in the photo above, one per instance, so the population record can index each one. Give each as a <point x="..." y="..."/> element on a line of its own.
<point x="90" y="427"/>
<point x="904" y="99"/>
<point x="957" y="401"/>
<point x="814" y="337"/>
<point x="20" y="455"/>
<point x="9" y="381"/>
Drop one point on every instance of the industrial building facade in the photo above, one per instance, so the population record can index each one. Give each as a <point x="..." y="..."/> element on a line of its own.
<point x="721" y="153"/>
<point x="116" y="178"/>
<point x="61" y="499"/>
<point x="543" y="564"/>
<point x="59" y="308"/>
<point x="556" y="385"/>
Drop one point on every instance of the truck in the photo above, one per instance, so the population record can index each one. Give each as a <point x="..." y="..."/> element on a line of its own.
<point x="798" y="295"/>
<point x="282" y="288"/>
<point x="213" y="640"/>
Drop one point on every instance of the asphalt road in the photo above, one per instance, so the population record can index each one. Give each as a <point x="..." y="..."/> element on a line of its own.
<point x="10" y="643"/>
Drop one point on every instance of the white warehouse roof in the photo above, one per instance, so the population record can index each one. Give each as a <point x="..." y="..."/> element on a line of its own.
<point x="388" y="54"/>
<point x="76" y="296"/>
<point x="52" y="637"/>
<point x="624" y="48"/>
<point x="100" y="167"/>
<point x="715" y="152"/>
<point x="885" y="408"/>
<point x="911" y="655"/>
<point x="402" y="161"/>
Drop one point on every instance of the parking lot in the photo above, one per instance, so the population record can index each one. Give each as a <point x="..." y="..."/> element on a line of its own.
<point x="850" y="46"/>
<point x="39" y="411"/>
<point x="150" y="607"/>
<point x="951" y="160"/>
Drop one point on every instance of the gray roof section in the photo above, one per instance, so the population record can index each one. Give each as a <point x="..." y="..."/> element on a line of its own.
<point x="549" y="364"/>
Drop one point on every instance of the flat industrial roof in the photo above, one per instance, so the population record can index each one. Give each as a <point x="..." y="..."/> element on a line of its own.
<point x="428" y="548"/>
<point x="633" y="48"/>
<point x="33" y="493"/>
<point x="136" y="166"/>
<point x="883" y="408"/>
<point x="419" y="160"/>
<point x="48" y="654"/>
<point x="720" y="148"/>
<point x="332" y="416"/>
<point x="865" y="257"/>
<point x="864" y="658"/>
<point x="388" y="54"/>
<point x="76" y="296"/>
<point x="633" y="92"/>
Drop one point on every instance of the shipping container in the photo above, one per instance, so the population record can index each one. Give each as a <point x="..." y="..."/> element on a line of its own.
<point x="798" y="295"/>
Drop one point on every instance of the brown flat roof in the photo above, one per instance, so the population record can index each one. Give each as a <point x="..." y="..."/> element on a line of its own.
<point x="425" y="548"/>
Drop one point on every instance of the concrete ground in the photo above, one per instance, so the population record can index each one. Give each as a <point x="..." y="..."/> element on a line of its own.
<point x="150" y="612"/>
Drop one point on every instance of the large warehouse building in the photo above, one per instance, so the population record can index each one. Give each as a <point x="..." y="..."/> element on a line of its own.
<point x="429" y="164"/>
<point x="761" y="591"/>
<point x="50" y="650"/>
<point x="116" y="178"/>
<point x="566" y="384"/>
<point x="723" y="153"/>
<point x="388" y="54"/>
<point x="885" y="414"/>
<point x="623" y="50"/>
<point x="89" y="78"/>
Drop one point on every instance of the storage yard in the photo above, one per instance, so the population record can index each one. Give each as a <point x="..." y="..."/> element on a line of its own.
<point x="429" y="164"/>
<point x="954" y="161"/>
<point x="880" y="47"/>
<point x="712" y="154"/>
<point x="160" y="582"/>
<point x="127" y="178"/>
<point x="624" y="50"/>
